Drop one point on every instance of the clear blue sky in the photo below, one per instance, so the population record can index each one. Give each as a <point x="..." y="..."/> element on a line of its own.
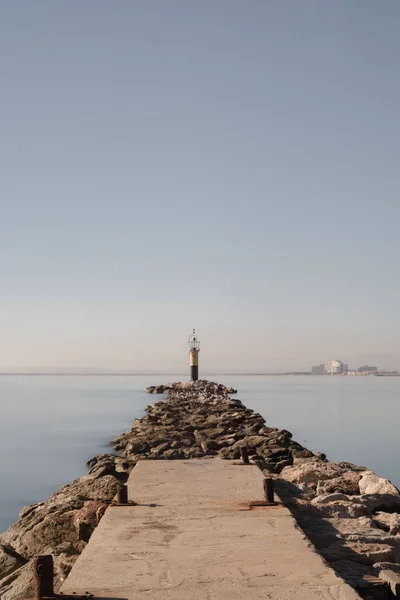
<point x="226" y="165"/>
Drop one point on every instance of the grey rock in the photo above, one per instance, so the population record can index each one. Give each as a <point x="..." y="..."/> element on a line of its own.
<point x="394" y="524"/>
<point x="393" y="579"/>
<point x="372" y="484"/>
<point x="18" y="585"/>
<point x="346" y="483"/>
<point x="363" y="553"/>
<point x="280" y="465"/>
<point x="305" y="470"/>
<point x="10" y="560"/>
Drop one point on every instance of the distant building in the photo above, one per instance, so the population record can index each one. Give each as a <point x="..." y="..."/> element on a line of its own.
<point x="367" y="369"/>
<point x="331" y="367"/>
<point x="318" y="370"/>
<point x="334" y="367"/>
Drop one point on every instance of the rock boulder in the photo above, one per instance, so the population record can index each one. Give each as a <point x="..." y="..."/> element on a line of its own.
<point x="372" y="484"/>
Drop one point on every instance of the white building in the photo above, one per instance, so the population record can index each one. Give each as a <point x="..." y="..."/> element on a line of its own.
<point x="333" y="367"/>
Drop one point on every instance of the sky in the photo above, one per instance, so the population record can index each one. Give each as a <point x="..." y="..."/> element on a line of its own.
<point x="225" y="165"/>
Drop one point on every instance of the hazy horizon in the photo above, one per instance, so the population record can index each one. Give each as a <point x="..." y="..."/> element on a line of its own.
<point x="222" y="165"/>
<point x="206" y="369"/>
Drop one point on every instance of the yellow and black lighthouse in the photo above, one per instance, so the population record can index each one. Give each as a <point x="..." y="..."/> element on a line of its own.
<point x="194" y="349"/>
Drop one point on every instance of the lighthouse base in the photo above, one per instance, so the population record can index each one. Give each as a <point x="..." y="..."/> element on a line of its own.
<point x="194" y="372"/>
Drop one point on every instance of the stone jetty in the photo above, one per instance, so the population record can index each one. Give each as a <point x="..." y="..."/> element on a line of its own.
<point x="351" y="516"/>
<point x="201" y="529"/>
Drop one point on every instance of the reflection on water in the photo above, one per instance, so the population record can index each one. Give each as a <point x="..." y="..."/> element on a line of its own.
<point x="51" y="425"/>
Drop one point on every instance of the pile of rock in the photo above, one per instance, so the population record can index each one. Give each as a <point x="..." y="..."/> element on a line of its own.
<point x="199" y="419"/>
<point x="353" y="519"/>
<point x="208" y="388"/>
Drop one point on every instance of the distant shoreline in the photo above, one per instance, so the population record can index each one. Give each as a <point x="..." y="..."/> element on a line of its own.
<point x="122" y="374"/>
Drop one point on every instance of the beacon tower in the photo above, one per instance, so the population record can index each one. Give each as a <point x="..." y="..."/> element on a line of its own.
<point x="194" y="349"/>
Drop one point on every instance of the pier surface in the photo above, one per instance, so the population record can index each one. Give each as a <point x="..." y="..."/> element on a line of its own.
<point x="193" y="536"/>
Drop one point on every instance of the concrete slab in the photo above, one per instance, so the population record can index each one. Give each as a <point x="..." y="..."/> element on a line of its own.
<point x="194" y="482"/>
<point x="199" y="540"/>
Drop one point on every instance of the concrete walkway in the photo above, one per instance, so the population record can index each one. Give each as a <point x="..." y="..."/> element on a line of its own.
<point x="192" y="536"/>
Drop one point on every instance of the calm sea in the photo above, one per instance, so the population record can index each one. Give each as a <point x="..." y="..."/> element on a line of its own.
<point x="51" y="425"/>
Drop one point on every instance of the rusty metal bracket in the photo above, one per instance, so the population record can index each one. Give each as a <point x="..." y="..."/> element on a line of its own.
<point x="43" y="581"/>
<point x="122" y="494"/>
<point x="244" y="455"/>
<point x="122" y="497"/>
<point x="74" y="596"/>
<point x="268" y="485"/>
<point x="62" y="596"/>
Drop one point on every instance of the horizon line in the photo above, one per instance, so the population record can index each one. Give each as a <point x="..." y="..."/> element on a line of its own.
<point x="134" y="374"/>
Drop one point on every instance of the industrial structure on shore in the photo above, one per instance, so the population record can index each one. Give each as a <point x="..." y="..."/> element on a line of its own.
<point x="337" y="367"/>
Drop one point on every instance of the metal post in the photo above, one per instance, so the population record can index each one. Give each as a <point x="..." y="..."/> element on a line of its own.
<point x="269" y="490"/>
<point x="43" y="574"/>
<point x="122" y="494"/>
<point x="244" y="455"/>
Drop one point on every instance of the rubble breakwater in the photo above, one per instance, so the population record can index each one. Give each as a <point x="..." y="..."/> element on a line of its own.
<point x="350" y="515"/>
